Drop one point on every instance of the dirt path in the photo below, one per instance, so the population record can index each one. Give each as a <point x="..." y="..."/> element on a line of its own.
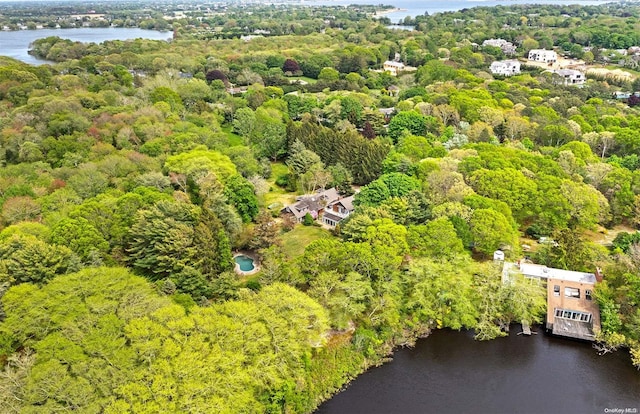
<point x="605" y="237"/>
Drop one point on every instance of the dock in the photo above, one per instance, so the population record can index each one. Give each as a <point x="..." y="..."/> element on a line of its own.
<point x="526" y="329"/>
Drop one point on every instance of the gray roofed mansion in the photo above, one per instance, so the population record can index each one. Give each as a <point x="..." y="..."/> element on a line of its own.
<point x="507" y="47"/>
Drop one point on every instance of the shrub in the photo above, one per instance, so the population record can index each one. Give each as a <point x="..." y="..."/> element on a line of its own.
<point x="308" y="220"/>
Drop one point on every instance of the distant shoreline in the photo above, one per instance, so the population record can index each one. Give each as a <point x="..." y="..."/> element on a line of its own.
<point x="381" y="13"/>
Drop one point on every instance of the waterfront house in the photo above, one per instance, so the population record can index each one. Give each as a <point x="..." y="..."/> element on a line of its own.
<point x="505" y="67"/>
<point x="543" y="55"/>
<point x="337" y="211"/>
<point x="571" y="308"/>
<point x="314" y="204"/>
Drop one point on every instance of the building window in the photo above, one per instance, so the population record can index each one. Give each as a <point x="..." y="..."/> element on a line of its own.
<point x="556" y="290"/>
<point x="573" y="315"/>
<point x="570" y="292"/>
<point x="587" y="294"/>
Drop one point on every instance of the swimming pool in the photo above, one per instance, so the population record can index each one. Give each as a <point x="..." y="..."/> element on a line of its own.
<point x="245" y="263"/>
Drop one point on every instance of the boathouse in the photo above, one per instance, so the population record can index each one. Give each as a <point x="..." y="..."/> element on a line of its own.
<point x="571" y="308"/>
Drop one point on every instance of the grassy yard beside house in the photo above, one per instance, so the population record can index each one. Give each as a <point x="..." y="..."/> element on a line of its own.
<point x="295" y="241"/>
<point x="278" y="194"/>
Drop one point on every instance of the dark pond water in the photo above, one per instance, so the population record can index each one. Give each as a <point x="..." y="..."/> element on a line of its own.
<point x="449" y="372"/>
<point x="16" y="44"/>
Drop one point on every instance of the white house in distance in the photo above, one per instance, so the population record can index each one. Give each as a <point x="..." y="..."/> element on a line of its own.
<point x="505" y="67"/>
<point x="571" y="77"/>
<point x="543" y="55"/>
<point x="507" y="47"/>
<point x="393" y="67"/>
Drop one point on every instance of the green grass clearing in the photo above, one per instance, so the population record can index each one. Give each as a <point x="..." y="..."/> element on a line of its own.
<point x="295" y="241"/>
<point x="303" y="78"/>
<point x="278" y="194"/>
<point x="278" y="168"/>
<point x="234" y="139"/>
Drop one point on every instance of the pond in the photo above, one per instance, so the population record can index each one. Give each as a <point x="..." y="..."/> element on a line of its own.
<point x="244" y="263"/>
<point x="15" y="44"/>
<point x="450" y="372"/>
<point x="412" y="8"/>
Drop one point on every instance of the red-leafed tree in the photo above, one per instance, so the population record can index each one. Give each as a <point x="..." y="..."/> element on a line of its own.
<point x="290" y="65"/>
<point x="217" y="75"/>
<point x="368" y="131"/>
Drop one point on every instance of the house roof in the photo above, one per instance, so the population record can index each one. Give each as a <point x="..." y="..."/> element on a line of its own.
<point x="346" y="202"/>
<point x="394" y="63"/>
<point x="494" y="42"/>
<point x="505" y="63"/>
<point x="387" y="111"/>
<point x="573" y="329"/>
<point x="544" y="272"/>
<point x="538" y="51"/>
<point x="312" y="203"/>
<point x="333" y="217"/>
<point x="329" y="195"/>
<point x="568" y="72"/>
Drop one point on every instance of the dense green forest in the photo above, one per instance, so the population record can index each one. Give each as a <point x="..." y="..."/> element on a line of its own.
<point x="133" y="170"/>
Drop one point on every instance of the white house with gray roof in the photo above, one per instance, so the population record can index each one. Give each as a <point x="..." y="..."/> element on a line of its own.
<point x="571" y="77"/>
<point x="505" y="67"/>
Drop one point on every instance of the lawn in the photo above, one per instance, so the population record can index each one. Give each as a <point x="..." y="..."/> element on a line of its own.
<point x="234" y="139"/>
<point x="278" y="194"/>
<point x="303" y="78"/>
<point x="605" y="237"/>
<point x="295" y="241"/>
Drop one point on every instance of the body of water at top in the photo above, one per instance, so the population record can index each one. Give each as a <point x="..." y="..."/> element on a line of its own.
<point x="417" y="8"/>
<point x="15" y="44"/>
<point x="450" y="372"/>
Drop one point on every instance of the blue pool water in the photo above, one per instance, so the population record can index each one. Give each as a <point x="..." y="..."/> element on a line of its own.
<point x="245" y="263"/>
